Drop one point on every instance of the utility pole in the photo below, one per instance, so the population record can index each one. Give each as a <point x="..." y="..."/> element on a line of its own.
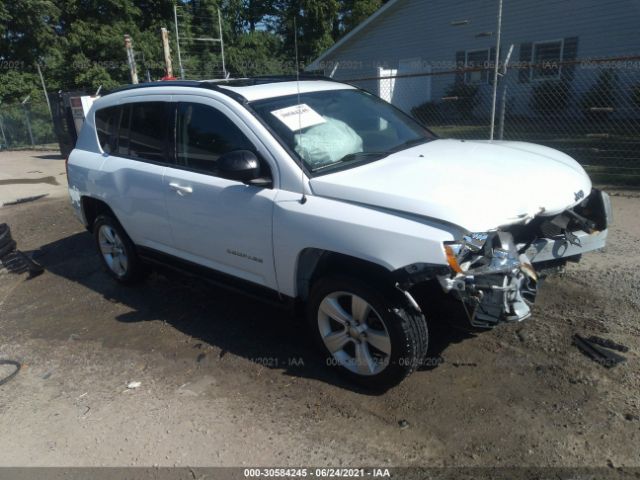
<point x="167" y="53"/>
<point x="130" y="59"/>
<point x="175" y="20"/>
<point x="495" y="72"/>
<point x="26" y="116"/>
<point x="44" y="88"/>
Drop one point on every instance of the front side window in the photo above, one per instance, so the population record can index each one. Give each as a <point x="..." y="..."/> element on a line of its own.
<point x="148" y="131"/>
<point x="339" y="128"/>
<point x="546" y="60"/>
<point x="203" y="134"/>
<point x="107" y="120"/>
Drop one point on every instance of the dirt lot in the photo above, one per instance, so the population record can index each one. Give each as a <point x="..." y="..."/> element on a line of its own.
<point x="228" y="381"/>
<point x="30" y="174"/>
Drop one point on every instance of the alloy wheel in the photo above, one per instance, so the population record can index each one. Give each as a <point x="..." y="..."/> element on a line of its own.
<point x="354" y="333"/>
<point x="113" y="250"/>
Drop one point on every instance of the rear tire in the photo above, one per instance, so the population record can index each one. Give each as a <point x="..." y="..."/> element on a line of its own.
<point x="116" y="250"/>
<point x="5" y="235"/>
<point x="7" y="248"/>
<point x="372" y="335"/>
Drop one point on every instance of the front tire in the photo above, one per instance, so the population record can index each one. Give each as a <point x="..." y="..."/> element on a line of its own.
<point x="116" y="250"/>
<point x="371" y="335"/>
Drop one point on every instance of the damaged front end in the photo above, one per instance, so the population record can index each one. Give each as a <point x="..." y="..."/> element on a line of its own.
<point x="496" y="274"/>
<point x="493" y="280"/>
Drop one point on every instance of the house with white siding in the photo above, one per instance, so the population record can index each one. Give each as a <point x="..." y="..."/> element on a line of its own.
<point x="453" y="42"/>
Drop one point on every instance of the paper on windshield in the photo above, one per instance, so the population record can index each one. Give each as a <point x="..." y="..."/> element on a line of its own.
<point x="298" y="117"/>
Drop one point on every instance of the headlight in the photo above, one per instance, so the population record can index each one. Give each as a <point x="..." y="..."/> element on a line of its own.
<point x="461" y="254"/>
<point x="483" y="253"/>
<point x="451" y="250"/>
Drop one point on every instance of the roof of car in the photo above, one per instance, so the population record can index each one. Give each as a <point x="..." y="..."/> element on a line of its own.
<point x="250" y="89"/>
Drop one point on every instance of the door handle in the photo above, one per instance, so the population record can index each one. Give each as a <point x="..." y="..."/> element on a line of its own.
<point x="180" y="190"/>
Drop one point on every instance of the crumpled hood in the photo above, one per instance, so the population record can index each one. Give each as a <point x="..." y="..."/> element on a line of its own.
<point x="477" y="185"/>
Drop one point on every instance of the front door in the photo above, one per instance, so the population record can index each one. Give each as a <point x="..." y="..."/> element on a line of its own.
<point x="220" y="223"/>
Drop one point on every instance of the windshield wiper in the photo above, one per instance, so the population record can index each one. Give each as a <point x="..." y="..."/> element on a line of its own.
<point x="351" y="157"/>
<point x="355" y="156"/>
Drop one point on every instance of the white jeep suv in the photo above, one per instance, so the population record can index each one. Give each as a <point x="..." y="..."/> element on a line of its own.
<point x="320" y="194"/>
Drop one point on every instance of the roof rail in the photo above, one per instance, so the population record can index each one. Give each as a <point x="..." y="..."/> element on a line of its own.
<point x="162" y="83"/>
<point x="264" y="79"/>
<point x="216" y="84"/>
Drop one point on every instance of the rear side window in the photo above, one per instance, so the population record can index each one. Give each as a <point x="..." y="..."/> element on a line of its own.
<point x="107" y="120"/>
<point x="148" y="131"/>
<point x="203" y="135"/>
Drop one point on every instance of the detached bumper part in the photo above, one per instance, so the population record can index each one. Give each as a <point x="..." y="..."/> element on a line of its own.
<point x="545" y="249"/>
<point x="576" y="231"/>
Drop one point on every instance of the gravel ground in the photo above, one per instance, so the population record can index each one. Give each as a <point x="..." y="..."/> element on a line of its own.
<point x="227" y="381"/>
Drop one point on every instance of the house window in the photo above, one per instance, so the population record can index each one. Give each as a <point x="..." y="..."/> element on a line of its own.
<point x="546" y="58"/>
<point x="476" y="59"/>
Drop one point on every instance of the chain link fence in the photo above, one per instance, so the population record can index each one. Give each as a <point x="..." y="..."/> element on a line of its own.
<point x="589" y="109"/>
<point x="26" y="125"/>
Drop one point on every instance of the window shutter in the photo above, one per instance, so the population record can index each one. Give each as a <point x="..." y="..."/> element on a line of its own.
<point x="569" y="54"/>
<point x="459" y="65"/>
<point x="526" y="50"/>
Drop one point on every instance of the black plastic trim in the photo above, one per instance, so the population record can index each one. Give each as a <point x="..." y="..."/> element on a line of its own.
<point x="215" y="277"/>
<point x="411" y="275"/>
<point x="215" y="85"/>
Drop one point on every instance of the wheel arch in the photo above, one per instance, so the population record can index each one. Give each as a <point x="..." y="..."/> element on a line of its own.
<point x="91" y="208"/>
<point x="314" y="263"/>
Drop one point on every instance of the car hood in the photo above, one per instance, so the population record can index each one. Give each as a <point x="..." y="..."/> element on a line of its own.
<point x="477" y="185"/>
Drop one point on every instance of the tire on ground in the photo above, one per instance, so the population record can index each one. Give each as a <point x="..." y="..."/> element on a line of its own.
<point x="135" y="270"/>
<point x="407" y="329"/>
<point x="7" y="248"/>
<point x="5" y="235"/>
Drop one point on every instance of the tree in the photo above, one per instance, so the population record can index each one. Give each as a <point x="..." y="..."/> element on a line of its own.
<point x="246" y="15"/>
<point x="257" y="53"/>
<point x="28" y="30"/>
<point x="80" y="43"/>
<point x="315" y="22"/>
<point x="353" y="12"/>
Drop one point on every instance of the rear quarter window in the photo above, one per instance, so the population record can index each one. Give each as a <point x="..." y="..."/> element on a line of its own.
<point x="107" y="120"/>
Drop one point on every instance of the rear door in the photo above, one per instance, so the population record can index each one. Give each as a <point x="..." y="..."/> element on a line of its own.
<point x="221" y="223"/>
<point x="136" y="157"/>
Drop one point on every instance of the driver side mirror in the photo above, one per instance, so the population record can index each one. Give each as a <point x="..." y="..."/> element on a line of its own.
<point x="243" y="166"/>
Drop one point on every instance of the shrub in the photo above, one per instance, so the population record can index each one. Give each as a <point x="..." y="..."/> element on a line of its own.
<point x="427" y="113"/>
<point x="550" y="97"/>
<point x="464" y="98"/>
<point x="602" y="95"/>
<point x="635" y="95"/>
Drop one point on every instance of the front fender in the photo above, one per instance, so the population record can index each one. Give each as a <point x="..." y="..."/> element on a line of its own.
<point x="390" y="240"/>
